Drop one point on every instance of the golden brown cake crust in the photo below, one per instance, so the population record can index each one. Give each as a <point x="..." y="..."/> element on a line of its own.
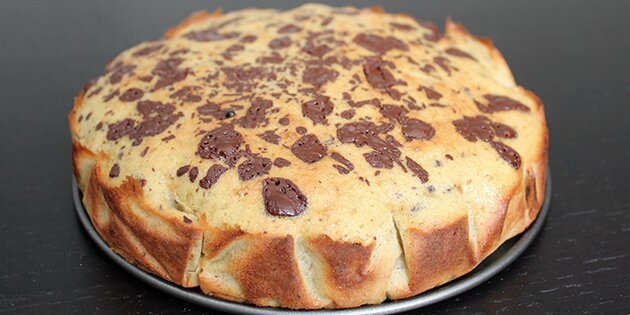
<point x="313" y="158"/>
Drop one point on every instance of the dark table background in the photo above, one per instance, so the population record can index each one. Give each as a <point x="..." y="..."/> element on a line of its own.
<point x="575" y="55"/>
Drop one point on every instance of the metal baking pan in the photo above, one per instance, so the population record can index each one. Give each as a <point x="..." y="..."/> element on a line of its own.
<point x="492" y="265"/>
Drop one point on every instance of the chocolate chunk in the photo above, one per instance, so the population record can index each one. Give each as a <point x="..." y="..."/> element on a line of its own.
<point x="417" y="129"/>
<point x="114" y="171"/>
<point x="367" y="133"/>
<point x="347" y="114"/>
<point x="169" y="73"/>
<point x="301" y="130"/>
<point x="270" y="136"/>
<point x="253" y="167"/>
<point x="210" y="35"/>
<point x="280" y="162"/>
<point x="443" y="63"/>
<point x="256" y="114"/>
<point x="377" y="75"/>
<point x="280" y="43"/>
<point x="318" y="76"/>
<point x="187" y="220"/>
<point x="431" y="93"/>
<point x="458" y="53"/>
<point x="182" y="170"/>
<point x="503" y="131"/>
<point x="347" y="165"/>
<point x="316" y="50"/>
<point x="318" y="109"/>
<point x="434" y="34"/>
<point x="507" y="153"/>
<point x="393" y="112"/>
<point x="120" y="129"/>
<point x="379" y="44"/>
<point x="212" y="176"/>
<point x="284" y="121"/>
<point x="118" y="71"/>
<point x="308" y="149"/>
<point x="111" y="95"/>
<point x="448" y="156"/>
<point x="417" y="170"/>
<point x="283" y="198"/>
<point x="401" y="26"/>
<point x="473" y="128"/>
<point x="498" y="103"/>
<point x="187" y="94"/>
<point x="289" y="28"/>
<point x="131" y="95"/>
<point x="222" y="143"/>
<point x="147" y="50"/>
<point x="157" y="117"/>
<point x="215" y="110"/>
<point x="192" y="174"/>
<point x="249" y="39"/>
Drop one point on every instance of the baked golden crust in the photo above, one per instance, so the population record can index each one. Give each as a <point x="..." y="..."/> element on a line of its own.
<point x="313" y="158"/>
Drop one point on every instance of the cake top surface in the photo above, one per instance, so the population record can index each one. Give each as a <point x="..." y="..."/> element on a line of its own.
<point x="333" y="119"/>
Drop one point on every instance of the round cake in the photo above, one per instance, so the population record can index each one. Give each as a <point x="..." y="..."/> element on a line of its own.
<point x="313" y="158"/>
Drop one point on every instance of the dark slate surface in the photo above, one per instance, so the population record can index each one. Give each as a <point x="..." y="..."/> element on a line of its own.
<point x="574" y="54"/>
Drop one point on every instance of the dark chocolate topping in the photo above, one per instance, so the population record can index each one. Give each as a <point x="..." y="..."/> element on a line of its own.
<point x="458" y="53"/>
<point x="221" y="143"/>
<point x="131" y="95"/>
<point x="507" y="153"/>
<point x="169" y="73"/>
<point x="182" y="170"/>
<point x="347" y="165"/>
<point x="367" y="133"/>
<point x="120" y="129"/>
<point x="431" y="93"/>
<point x="379" y="44"/>
<point x="318" y="109"/>
<point x="114" y="171"/>
<point x="147" y="50"/>
<point x="417" y="169"/>
<point x="253" y="167"/>
<point x="270" y="136"/>
<point x="210" y="35"/>
<point x="187" y="94"/>
<point x="498" y="103"/>
<point x="192" y="174"/>
<point x="473" y="128"/>
<point x="301" y="130"/>
<point x="256" y="114"/>
<point x="347" y="114"/>
<point x="308" y="149"/>
<point x="417" y="129"/>
<point x="280" y="162"/>
<point x="280" y="43"/>
<point x="318" y="76"/>
<point x="212" y="176"/>
<point x="283" y="198"/>
<point x="289" y="28"/>
<point x="376" y="73"/>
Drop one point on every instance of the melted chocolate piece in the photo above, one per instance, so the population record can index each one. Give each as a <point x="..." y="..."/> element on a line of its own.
<point x="147" y="50"/>
<point x="253" y="167"/>
<point x="318" y="109"/>
<point x="249" y="39"/>
<point x="289" y="28"/>
<point x="377" y="75"/>
<point x="169" y="73"/>
<point x="318" y="76"/>
<point x="111" y="95"/>
<point x="417" y="129"/>
<point x="120" y="129"/>
<point x="280" y="43"/>
<point x="212" y="176"/>
<point x="401" y="26"/>
<point x="222" y="143"/>
<point x="431" y="93"/>
<point x="256" y="114"/>
<point x="507" y="153"/>
<point x="301" y="130"/>
<point x="417" y="170"/>
<point x="448" y="156"/>
<point x="348" y="114"/>
<point x="114" y="171"/>
<point x="187" y="94"/>
<point x="157" y="117"/>
<point x="379" y="44"/>
<point x="434" y="35"/>
<point x="210" y="35"/>
<point x="498" y="103"/>
<point x="308" y="149"/>
<point x="270" y="136"/>
<point x="182" y="170"/>
<point x="316" y="50"/>
<point x="366" y="133"/>
<point x="443" y="63"/>
<point x="284" y="121"/>
<point x="458" y="53"/>
<point x="473" y="128"/>
<point x="283" y="198"/>
<point x="503" y="131"/>
<point x="280" y="162"/>
<point x="118" y="71"/>
<point x="393" y="112"/>
<point x="187" y="220"/>
<point x="192" y="174"/>
<point x="131" y="95"/>
<point x="347" y="165"/>
<point x="215" y="110"/>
